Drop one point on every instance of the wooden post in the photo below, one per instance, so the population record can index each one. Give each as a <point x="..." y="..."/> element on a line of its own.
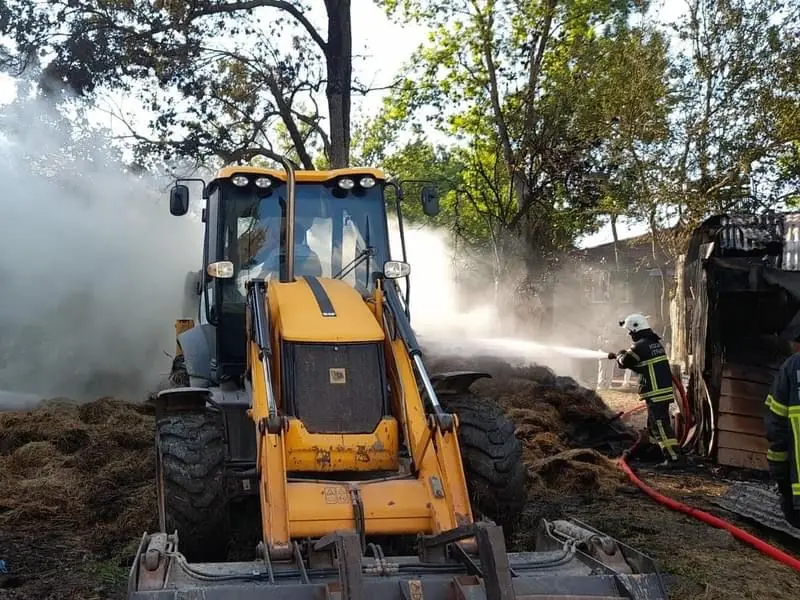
<point x="677" y="317"/>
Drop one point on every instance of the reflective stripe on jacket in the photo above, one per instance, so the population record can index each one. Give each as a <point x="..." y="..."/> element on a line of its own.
<point x="648" y="358"/>
<point x="782" y="422"/>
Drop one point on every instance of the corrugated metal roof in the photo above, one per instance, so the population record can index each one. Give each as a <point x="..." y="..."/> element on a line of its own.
<point x="750" y="232"/>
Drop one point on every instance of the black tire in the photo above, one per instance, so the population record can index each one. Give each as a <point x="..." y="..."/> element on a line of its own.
<point x="191" y="449"/>
<point x="497" y="478"/>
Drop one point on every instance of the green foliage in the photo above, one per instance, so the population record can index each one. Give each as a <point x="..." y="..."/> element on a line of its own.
<point x="566" y="115"/>
<point x="214" y="75"/>
<point x="738" y="106"/>
<point x="542" y="98"/>
<point x="540" y="119"/>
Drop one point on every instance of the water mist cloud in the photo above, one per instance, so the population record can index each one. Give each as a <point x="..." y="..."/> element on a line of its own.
<point x="454" y="322"/>
<point x="438" y="307"/>
<point x="92" y="269"/>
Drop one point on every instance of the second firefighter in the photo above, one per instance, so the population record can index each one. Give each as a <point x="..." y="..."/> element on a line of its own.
<point x="649" y="360"/>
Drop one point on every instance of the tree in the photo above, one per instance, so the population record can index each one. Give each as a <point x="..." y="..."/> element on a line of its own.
<point x="54" y="144"/>
<point x="733" y="113"/>
<point x="532" y="92"/>
<point x="738" y="106"/>
<point x="214" y="76"/>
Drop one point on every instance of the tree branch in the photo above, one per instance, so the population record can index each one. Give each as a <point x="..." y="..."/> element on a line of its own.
<point x="537" y="56"/>
<point x="315" y="126"/>
<point x="364" y="90"/>
<point x="486" y="29"/>
<point x="229" y="7"/>
<point x="288" y="119"/>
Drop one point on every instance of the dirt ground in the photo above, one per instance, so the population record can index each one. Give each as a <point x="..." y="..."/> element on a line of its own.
<point x="76" y="493"/>
<point x="699" y="562"/>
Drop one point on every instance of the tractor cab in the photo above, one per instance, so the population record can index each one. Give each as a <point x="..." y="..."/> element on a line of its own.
<point x="263" y="223"/>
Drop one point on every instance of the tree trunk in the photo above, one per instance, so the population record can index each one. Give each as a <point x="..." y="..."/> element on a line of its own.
<point x="285" y="110"/>
<point x="616" y="240"/>
<point x="338" y="55"/>
<point x="657" y="261"/>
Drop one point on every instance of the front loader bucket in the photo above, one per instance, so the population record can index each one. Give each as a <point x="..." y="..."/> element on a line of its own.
<point x="574" y="562"/>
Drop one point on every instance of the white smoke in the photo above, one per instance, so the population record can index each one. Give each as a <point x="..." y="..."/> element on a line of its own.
<point x="92" y="269"/>
<point x="449" y="321"/>
<point x="437" y="305"/>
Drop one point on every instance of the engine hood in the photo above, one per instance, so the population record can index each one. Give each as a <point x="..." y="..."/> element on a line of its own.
<point x="316" y="309"/>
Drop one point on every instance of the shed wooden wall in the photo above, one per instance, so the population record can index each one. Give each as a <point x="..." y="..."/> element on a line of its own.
<point x="741" y="435"/>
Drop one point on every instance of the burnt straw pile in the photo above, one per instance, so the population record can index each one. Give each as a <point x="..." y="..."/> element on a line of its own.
<point x="88" y="470"/>
<point x="82" y="470"/>
<point x="567" y="431"/>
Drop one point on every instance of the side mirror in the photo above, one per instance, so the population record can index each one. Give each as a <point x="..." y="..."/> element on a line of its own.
<point x="179" y="200"/>
<point x="430" y="201"/>
<point x="395" y="269"/>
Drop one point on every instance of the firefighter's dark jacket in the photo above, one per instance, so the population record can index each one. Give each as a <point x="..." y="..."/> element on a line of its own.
<point x="782" y="422"/>
<point x="648" y="358"/>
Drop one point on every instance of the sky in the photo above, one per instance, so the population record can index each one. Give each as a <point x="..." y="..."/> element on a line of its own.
<point x="382" y="47"/>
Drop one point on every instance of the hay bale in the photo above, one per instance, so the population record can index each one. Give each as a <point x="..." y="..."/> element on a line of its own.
<point x="538" y="400"/>
<point x="576" y="472"/>
<point x="89" y="470"/>
<point x="82" y="468"/>
<point x="542" y="445"/>
<point x="35" y="459"/>
<point x="52" y="421"/>
<point x="556" y="419"/>
<point x="539" y="417"/>
<point x="135" y="512"/>
<point x="508" y="392"/>
<point x="71" y="439"/>
<point x="11" y="439"/>
<point x="101" y="410"/>
<point x="55" y="497"/>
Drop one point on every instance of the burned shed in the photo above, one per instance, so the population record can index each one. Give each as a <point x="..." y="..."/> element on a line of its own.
<point x="738" y="297"/>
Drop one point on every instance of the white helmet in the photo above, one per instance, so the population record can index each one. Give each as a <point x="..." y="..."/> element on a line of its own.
<point x="635" y="322"/>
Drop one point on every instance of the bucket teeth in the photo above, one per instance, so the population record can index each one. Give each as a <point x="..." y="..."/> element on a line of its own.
<point x="572" y="560"/>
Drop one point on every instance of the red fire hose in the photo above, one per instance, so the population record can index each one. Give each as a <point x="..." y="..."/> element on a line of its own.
<point x="688" y="420"/>
<point x="698" y="514"/>
<point x="684" y="402"/>
<point x="705" y="517"/>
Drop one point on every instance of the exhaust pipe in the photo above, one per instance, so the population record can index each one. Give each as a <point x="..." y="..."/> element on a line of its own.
<point x="290" y="218"/>
<point x="289" y="166"/>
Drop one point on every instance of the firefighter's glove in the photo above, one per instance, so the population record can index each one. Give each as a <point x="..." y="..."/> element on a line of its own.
<point x="612" y="355"/>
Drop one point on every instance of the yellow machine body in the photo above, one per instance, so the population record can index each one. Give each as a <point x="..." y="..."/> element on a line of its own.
<point x="302" y="388"/>
<point x="431" y="499"/>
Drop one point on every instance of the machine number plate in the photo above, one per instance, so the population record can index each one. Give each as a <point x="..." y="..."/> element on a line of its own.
<point x="336" y="495"/>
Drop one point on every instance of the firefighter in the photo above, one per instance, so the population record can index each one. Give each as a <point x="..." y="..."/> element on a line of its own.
<point x="782" y="423"/>
<point x="648" y="358"/>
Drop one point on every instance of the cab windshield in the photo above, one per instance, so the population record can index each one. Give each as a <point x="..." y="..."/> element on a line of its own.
<point x="337" y="233"/>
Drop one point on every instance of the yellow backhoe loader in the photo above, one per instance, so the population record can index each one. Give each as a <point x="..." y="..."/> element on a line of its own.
<point x="299" y="385"/>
